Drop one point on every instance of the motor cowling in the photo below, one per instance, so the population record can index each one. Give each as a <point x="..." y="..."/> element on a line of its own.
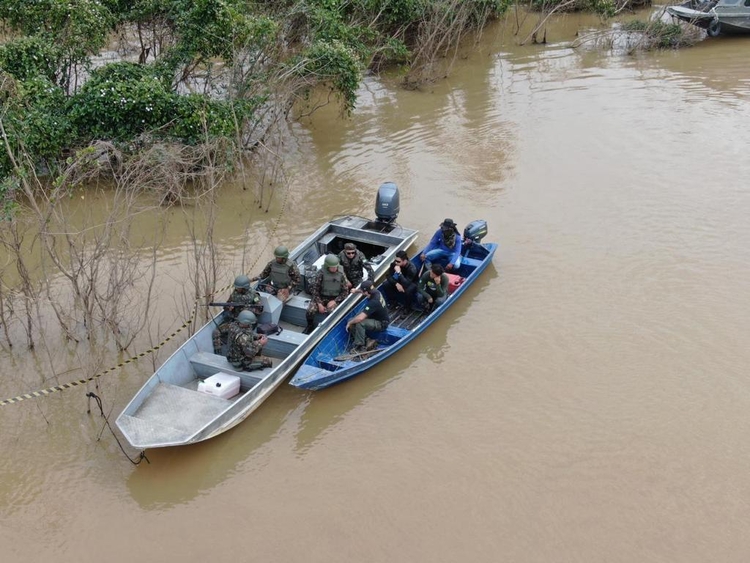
<point x="387" y="203"/>
<point x="476" y="230"/>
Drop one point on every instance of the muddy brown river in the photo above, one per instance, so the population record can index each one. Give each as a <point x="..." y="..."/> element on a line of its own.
<point x="588" y="400"/>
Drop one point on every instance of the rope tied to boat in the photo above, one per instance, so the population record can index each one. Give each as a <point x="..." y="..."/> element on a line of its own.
<point x="98" y="400"/>
<point x="76" y="383"/>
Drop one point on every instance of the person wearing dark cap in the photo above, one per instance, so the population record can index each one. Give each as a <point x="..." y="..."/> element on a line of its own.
<point x="373" y="318"/>
<point x="355" y="264"/>
<point x="444" y="247"/>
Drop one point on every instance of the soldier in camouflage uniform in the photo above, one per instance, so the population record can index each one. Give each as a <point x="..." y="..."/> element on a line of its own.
<point x="328" y="290"/>
<point x="244" y="294"/>
<point x="282" y="274"/>
<point x="245" y="344"/>
<point x="355" y="263"/>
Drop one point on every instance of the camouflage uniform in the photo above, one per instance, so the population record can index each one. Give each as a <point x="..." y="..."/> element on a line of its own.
<point x="328" y="286"/>
<point x="251" y="301"/>
<point x="273" y="272"/>
<point x="354" y="267"/>
<point x="244" y="349"/>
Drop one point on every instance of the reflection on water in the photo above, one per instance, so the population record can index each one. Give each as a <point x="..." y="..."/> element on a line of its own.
<point x="324" y="409"/>
<point x="178" y="475"/>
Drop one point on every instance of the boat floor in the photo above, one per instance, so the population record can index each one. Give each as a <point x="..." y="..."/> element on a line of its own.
<point x="171" y="414"/>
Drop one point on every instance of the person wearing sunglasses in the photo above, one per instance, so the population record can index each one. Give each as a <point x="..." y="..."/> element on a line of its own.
<point x="355" y="264"/>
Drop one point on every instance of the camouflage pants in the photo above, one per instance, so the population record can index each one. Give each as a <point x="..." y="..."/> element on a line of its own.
<point x="219" y="336"/>
<point x="252" y="364"/>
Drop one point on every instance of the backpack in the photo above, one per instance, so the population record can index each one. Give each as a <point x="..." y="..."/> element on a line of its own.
<point x="268" y="328"/>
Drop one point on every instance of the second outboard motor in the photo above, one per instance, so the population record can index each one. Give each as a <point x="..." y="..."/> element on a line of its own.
<point x="476" y="230"/>
<point x="387" y="203"/>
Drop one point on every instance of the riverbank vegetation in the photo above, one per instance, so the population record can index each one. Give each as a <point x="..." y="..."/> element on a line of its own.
<point x="192" y="72"/>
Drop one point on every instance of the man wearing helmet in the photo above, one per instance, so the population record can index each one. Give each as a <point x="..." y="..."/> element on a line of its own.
<point x="248" y="300"/>
<point x="282" y="274"/>
<point x="245" y="344"/>
<point x="328" y="290"/>
<point x="355" y="264"/>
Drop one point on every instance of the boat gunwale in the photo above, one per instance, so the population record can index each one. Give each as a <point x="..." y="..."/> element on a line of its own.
<point x="351" y="371"/>
<point x="251" y="399"/>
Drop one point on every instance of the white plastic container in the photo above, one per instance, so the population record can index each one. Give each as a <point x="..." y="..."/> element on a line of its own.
<point x="220" y="385"/>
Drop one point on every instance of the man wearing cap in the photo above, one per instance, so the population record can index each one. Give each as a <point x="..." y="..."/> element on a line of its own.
<point x="355" y="264"/>
<point x="373" y="318"/>
<point x="444" y="247"/>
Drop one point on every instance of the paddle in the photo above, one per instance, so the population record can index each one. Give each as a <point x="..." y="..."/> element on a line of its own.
<point x="359" y="355"/>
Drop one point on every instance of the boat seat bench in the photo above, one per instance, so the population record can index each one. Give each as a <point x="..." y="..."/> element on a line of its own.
<point x="207" y="364"/>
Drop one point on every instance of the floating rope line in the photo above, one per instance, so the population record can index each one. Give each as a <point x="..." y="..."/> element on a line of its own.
<point x="187" y="323"/>
<point x="77" y="382"/>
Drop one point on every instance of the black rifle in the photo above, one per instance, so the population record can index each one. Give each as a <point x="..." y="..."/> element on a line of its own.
<point x="230" y="304"/>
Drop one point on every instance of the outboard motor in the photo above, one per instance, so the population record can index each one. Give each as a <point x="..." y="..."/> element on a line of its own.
<point x="476" y="231"/>
<point x="387" y="203"/>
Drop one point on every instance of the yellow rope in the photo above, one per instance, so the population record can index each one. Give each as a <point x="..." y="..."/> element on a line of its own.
<point x="191" y="320"/>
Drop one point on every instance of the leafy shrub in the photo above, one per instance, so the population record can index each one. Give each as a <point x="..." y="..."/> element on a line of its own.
<point x="27" y="57"/>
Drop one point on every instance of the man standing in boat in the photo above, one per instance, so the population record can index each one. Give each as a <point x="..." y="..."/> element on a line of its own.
<point x="433" y="288"/>
<point x="444" y="247"/>
<point x="282" y="274"/>
<point x="400" y="284"/>
<point x="329" y="288"/>
<point x="245" y="345"/>
<point x="245" y="299"/>
<point x="355" y="264"/>
<point x="373" y="318"/>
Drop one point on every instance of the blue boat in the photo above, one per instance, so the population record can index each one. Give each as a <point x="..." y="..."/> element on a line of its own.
<point x="331" y="361"/>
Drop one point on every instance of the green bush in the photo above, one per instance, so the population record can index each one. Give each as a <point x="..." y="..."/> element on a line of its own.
<point x="27" y="57"/>
<point x="119" y="102"/>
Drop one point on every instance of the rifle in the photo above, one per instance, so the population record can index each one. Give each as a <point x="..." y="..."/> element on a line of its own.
<point x="230" y="304"/>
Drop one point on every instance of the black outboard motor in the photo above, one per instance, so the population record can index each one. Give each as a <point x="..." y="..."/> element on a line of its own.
<point x="387" y="203"/>
<point x="476" y="231"/>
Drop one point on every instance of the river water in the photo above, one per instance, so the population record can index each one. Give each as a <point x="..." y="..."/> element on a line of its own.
<point x="587" y="400"/>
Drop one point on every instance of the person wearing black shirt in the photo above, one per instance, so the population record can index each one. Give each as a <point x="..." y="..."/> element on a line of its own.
<point x="373" y="318"/>
<point x="400" y="284"/>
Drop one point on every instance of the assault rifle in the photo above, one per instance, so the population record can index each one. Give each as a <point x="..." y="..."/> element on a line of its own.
<point x="230" y="304"/>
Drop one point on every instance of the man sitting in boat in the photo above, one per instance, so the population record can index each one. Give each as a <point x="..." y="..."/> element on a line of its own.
<point x="244" y="298"/>
<point x="433" y="288"/>
<point x="282" y="274"/>
<point x="400" y="284"/>
<point x="329" y="288"/>
<point x="355" y="264"/>
<point x="373" y="318"/>
<point x="245" y="345"/>
<point x="444" y="247"/>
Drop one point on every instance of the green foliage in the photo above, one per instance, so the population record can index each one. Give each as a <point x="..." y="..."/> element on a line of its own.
<point x="395" y="14"/>
<point x="35" y="121"/>
<point x="198" y="118"/>
<point x="27" y="57"/>
<point x="121" y="101"/>
<point x="336" y="64"/>
<point x="322" y="41"/>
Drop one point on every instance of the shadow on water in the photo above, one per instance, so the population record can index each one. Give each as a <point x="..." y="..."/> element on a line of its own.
<point x="178" y="475"/>
<point x="323" y="409"/>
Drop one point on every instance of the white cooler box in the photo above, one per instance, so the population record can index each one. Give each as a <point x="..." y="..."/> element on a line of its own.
<point x="220" y="385"/>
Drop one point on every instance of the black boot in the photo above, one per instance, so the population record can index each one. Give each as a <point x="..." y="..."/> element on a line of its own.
<point x="309" y="328"/>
